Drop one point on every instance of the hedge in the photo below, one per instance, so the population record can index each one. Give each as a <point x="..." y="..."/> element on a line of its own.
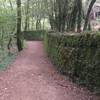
<point x="34" y="35"/>
<point x="76" y="55"/>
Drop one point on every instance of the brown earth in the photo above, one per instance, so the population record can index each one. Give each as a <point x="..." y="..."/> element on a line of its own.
<point x="33" y="77"/>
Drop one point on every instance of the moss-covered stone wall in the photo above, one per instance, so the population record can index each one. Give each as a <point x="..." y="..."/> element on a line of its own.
<point x="76" y="55"/>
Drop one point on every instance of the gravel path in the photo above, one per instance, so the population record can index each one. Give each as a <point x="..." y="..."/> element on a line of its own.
<point x="33" y="77"/>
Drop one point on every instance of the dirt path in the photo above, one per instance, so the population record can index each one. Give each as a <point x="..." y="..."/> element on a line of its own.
<point x="32" y="77"/>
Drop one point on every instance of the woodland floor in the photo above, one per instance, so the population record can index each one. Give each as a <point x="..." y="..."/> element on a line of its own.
<point x="33" y="77"/>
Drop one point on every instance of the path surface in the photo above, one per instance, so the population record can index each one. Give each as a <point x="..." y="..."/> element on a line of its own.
<point x="33" y="77"/>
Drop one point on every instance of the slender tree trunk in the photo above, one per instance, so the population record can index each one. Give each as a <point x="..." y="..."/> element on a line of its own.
<point x="27" y="17"/>
<point x="64" y="16"/>
<point x="43" y="24"/>
<point x="79" y="20"/>
<point x="19" y="39"/>
<point x="60" y="17"/>
<point x="51" y="19"/>
<point x="32" y="24"/>
<point x="88" y="14"/>
<point x="73" y="17"/>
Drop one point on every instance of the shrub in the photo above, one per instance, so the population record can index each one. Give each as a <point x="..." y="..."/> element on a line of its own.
<point x="76" y="55"/>
<point x="34" y="35"/>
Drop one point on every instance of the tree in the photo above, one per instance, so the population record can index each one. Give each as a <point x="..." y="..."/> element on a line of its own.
<point x="27" y="16"/>
<point x="66" y="15"/>
<point x="57" y="14"/>
<point x="88" y="14"/>
<point x="79" y="20"/>
<point x="19" y="35"/>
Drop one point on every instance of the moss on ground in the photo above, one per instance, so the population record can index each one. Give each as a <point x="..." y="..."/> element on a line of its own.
<point x="6" y="61"/>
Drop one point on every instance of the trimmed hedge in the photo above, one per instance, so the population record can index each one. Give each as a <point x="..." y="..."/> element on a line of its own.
<point x="76" y="55"/>
<point x="34" y="35"/>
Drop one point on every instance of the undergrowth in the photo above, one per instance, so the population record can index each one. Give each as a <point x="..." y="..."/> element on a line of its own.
<point x="6" y="61"/>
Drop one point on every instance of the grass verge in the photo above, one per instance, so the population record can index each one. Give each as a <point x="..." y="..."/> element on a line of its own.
<point x="6" y="61"/>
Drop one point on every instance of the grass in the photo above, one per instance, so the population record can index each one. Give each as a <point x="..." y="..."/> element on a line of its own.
<point x="6" y="61"/>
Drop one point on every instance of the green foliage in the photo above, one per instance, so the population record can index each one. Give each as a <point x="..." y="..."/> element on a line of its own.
<point x="6" y="61"/>
<point x="7" y="27"/>
<point x="76" y="55"/>
<point x="34" y="35"/>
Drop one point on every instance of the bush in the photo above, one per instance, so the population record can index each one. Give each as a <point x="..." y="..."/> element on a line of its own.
<point x="34" y="35"/>
<point x="76" y="55"/>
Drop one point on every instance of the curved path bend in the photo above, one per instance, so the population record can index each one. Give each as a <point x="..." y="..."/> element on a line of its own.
<point x="32" y="77"/>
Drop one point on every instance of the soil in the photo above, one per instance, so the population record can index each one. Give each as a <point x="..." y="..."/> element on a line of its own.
<point x="33" y="77"/>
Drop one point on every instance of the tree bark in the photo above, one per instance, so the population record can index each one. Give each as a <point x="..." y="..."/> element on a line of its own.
<point x="88" y="14"/>
<point x="73" y="18"/>
<point x="19" y="35"/>
<point x="79" y="20"/>
<point x="27" y="17"/>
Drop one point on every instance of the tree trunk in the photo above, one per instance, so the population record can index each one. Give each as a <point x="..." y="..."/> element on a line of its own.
<point x="88" y="14"/>
<point x="64" y="16"/>
<point x="38" y="24"/>
<point x="19" y="41"/>
<point x="52" y="21"/>
<point x="27" y="17"/>
<point x="73" y="17"/>
<point x="79" y="20"/>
